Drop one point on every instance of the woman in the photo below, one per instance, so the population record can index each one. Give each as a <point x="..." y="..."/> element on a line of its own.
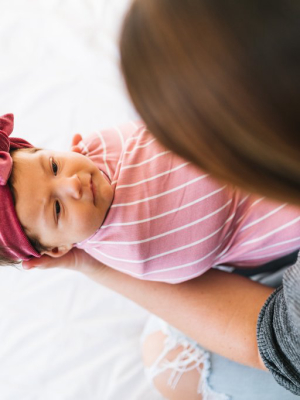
<point x="218" y="83"/>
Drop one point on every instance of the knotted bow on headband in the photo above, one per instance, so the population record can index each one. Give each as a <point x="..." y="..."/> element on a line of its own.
<point x="13" y="241"/>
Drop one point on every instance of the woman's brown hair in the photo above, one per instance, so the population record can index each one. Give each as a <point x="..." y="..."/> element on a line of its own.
<point x="218" y="83"/>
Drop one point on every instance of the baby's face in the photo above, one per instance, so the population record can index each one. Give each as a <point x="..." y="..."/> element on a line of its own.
<point x="61" y="197"/>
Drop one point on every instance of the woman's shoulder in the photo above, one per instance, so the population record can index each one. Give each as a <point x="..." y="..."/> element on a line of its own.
<point x="291" y="289"/>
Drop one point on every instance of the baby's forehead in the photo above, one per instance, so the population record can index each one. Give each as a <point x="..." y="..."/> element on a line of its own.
<point x="62" y="152"/>
<point x="53" y="153"/>
<point x="37" y="156"/>
<point x="27" y="150"/>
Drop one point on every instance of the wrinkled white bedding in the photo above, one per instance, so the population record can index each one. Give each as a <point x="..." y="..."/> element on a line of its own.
<point x="63" y="337"/>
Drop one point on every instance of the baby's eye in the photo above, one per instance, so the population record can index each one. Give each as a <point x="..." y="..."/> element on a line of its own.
<point x="54" y="166"/>
<point x="57" y="208"/>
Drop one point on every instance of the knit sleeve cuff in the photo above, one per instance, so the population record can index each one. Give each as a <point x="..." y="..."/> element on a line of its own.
<point x="278" y="342"/>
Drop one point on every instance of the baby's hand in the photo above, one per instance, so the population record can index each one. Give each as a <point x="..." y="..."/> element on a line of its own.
<point x="76" y="139"/>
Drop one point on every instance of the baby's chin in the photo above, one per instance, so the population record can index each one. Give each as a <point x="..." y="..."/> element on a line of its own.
<point x="88" y="238"/>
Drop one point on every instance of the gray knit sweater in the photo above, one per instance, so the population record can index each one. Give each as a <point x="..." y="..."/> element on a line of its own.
<point x="278" y="331"/>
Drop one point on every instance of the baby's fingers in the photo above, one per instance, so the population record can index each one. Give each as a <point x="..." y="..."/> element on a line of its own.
<point x="76" y="139"/>
<point x="76" y="149"/>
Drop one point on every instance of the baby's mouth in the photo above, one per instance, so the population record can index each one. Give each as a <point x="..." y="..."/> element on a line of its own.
<point x="93" y="190"/>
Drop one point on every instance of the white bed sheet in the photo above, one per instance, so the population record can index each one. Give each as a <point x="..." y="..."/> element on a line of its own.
<point x="63" y="337"/>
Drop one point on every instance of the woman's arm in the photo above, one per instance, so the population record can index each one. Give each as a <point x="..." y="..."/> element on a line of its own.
<point x="219" y="310"/>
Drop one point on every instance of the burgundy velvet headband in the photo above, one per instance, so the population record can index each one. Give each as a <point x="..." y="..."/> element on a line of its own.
<point x="13" y="241"/>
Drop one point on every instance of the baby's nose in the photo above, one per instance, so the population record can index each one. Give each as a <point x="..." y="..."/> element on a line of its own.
<point x="72" y="187"/>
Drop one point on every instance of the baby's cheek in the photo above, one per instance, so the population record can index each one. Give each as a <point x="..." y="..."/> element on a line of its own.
<point x="88" y="222"/>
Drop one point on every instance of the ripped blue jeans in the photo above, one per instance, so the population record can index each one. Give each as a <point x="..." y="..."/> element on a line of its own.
<point x="219" y="378"/>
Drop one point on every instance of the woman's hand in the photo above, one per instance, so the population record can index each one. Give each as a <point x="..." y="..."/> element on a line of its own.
<point x="218" y="309"/>
<point x="75" y="259"/>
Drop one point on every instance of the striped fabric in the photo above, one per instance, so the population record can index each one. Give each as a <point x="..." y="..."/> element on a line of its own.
<point x="171" y="222"/>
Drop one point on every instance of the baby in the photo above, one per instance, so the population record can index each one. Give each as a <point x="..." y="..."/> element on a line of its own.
<point x="136" y="207"/>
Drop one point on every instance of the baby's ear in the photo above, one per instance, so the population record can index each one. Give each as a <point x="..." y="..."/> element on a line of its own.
<point x="75" y="141"/>
<point x="57" y="251"/>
